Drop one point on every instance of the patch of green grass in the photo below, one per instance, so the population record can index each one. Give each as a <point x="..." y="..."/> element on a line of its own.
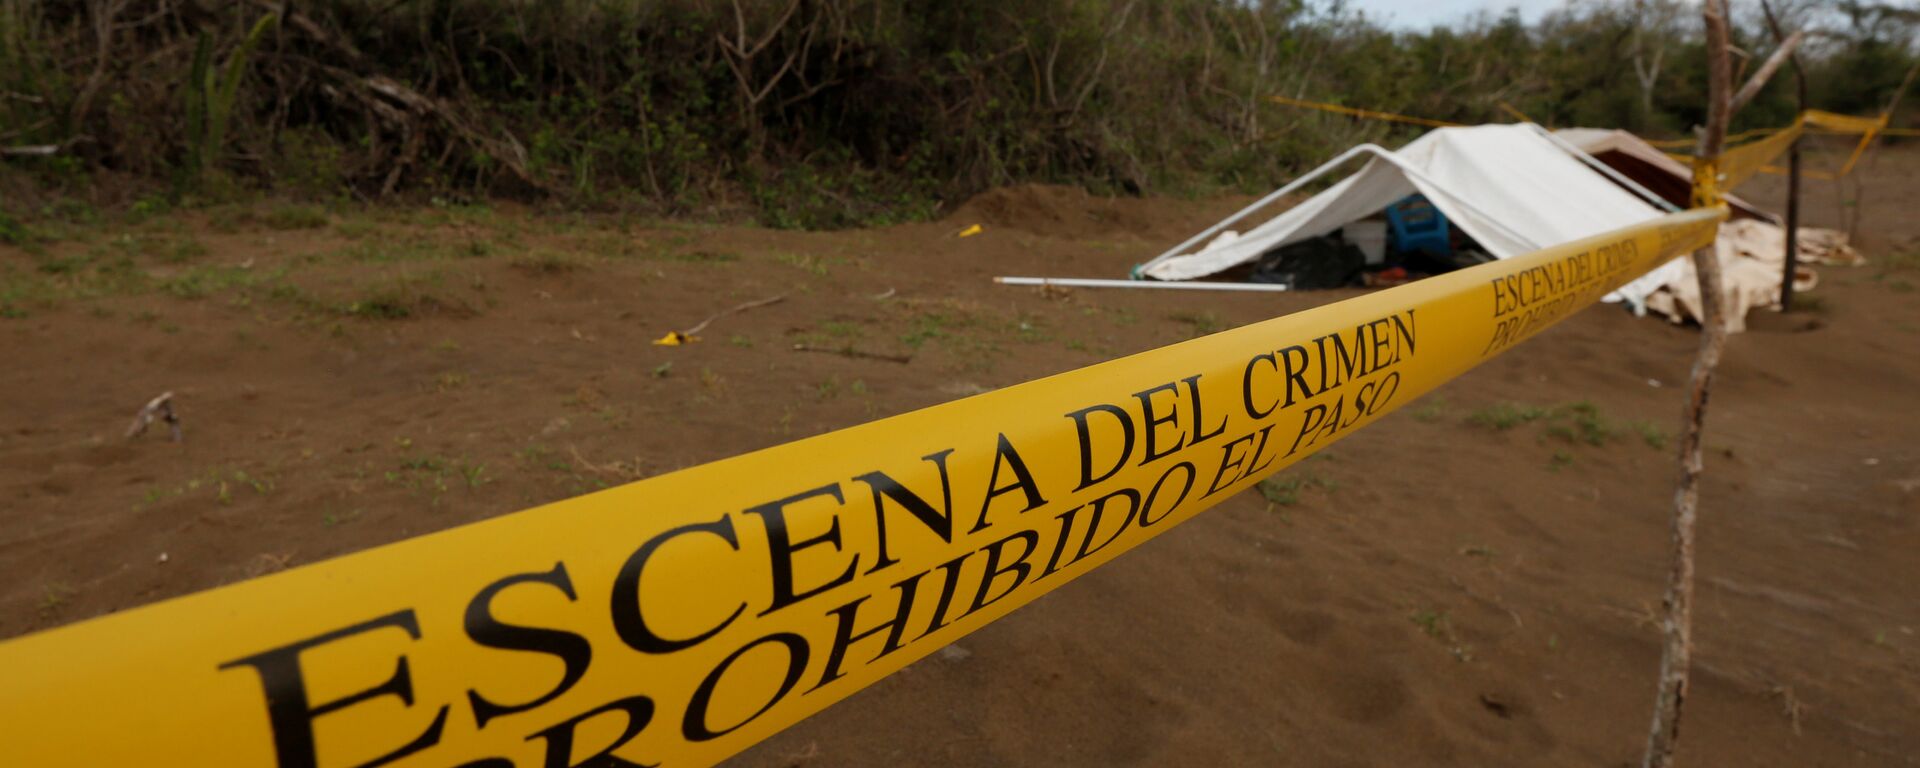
<point x="1504" y="416"/>
<point x="543" y="457"/>
<point x="292" y="217"/>
<point x="1198" y="323"/>
<point x="702" y="257"/>
<point x="390" y="250"/>
<point x="545" y="262"/>
<point x="922" y="328"/>
<point x="805" y="262"/>
<point x="1434" y="409"/>
<point x="1650" y="433"/>
<point x="436" y="474"/>
<point x="201" y="282"/>
<point x="182" y="251"/>
<point x="403" y="296"/>
<point x="1580" y="422"/>
<point x="1433" y="623"/>
<point x="1284" y="492"/>
<point x="1284" y="489"/>
<point x="332" y="519"/>
<point x="54" y="595"/>
<point x="356" y="228"/>
<point x="12" y="232"/>
<point x="841" y="329"/>
<point x="1561" y="459"/>
<point x="475" y="475"/>
<point x="1028" y="330"/>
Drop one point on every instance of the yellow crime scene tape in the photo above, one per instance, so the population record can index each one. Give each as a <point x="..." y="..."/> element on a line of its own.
<point x="677" y="620"/>
<point x="1363" y="113"/>
<point x="1737" y="164"/>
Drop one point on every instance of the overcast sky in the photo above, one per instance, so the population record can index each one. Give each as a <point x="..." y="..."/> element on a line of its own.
<point x="1420" y="14"/>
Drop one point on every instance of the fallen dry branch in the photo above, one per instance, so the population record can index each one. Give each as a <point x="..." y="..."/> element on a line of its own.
<point x="730" y="310"/>
<point x="161" y="408"/>
<point x="849" y="351"/>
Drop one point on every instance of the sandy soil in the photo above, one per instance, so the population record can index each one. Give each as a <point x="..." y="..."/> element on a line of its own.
<point x="1470" y="582"/>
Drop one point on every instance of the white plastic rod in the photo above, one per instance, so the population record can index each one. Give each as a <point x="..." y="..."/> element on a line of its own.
<point x="1089" y="282"/>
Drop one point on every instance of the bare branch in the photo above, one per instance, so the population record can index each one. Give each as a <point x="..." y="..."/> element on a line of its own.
<point x="1766" y="70"/>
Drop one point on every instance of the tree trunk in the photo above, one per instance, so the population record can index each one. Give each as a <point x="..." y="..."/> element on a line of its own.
<point x="1677" y="656"/>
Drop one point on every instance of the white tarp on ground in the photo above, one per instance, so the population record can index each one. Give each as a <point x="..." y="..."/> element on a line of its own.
<point x="1753" y="257"/>
<point x="1507" y="187"/>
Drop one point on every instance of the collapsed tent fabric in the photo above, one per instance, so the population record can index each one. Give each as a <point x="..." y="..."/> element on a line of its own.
<point x="1509" y="188"/>
<point x="1752" y="256"/>
<point x="1649" y="167"/>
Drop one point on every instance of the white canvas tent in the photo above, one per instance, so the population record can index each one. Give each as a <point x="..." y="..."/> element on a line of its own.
<point x="1512" y="188"/>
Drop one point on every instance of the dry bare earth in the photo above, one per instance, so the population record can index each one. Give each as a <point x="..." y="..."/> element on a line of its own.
<point x="1470" y="582"/>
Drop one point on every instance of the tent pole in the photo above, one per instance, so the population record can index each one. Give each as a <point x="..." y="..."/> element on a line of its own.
<point x="1606" y="170"/>
<point x="1257" y="205"/>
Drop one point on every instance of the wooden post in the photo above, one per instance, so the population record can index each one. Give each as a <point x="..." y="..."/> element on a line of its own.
<point x="1793" y="213"/>
<point x="1676" y="657"/>
<point x="1793" y="170"/>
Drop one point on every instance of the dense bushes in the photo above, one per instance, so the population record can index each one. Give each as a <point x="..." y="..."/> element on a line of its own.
<point x="809" y="112"/>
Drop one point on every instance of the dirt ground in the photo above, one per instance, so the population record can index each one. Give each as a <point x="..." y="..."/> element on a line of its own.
<point x="1472" y="581"/>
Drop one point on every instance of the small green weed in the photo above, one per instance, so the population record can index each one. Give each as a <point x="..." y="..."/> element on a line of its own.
<point x="1198" y="323"/>
<point x="1284" y="492"/>
<point x="546" y="263"/>
<point x="1580" y="422"/>
<point x="1436" y="624"/>
<point x="1504" y="416"/>
<point x="924" y="328"/>
<point x="1650" y="433"/>
<point x="292" y="217"/>
<point x="804" y="262"/>
<point x="1434" y="409"/>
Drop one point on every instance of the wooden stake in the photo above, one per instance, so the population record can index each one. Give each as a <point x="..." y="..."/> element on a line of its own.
<point x="1677" y="624"/>
<point x="1793" y="171"/>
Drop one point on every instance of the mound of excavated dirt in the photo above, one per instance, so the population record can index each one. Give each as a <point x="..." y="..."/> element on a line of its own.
<point x="1074" y="213"/>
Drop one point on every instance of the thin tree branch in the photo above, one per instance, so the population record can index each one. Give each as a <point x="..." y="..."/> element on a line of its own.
<point x="1766" y="70"/>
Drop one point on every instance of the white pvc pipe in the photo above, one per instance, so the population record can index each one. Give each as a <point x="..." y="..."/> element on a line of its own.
<point x="1183" y="285"/>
